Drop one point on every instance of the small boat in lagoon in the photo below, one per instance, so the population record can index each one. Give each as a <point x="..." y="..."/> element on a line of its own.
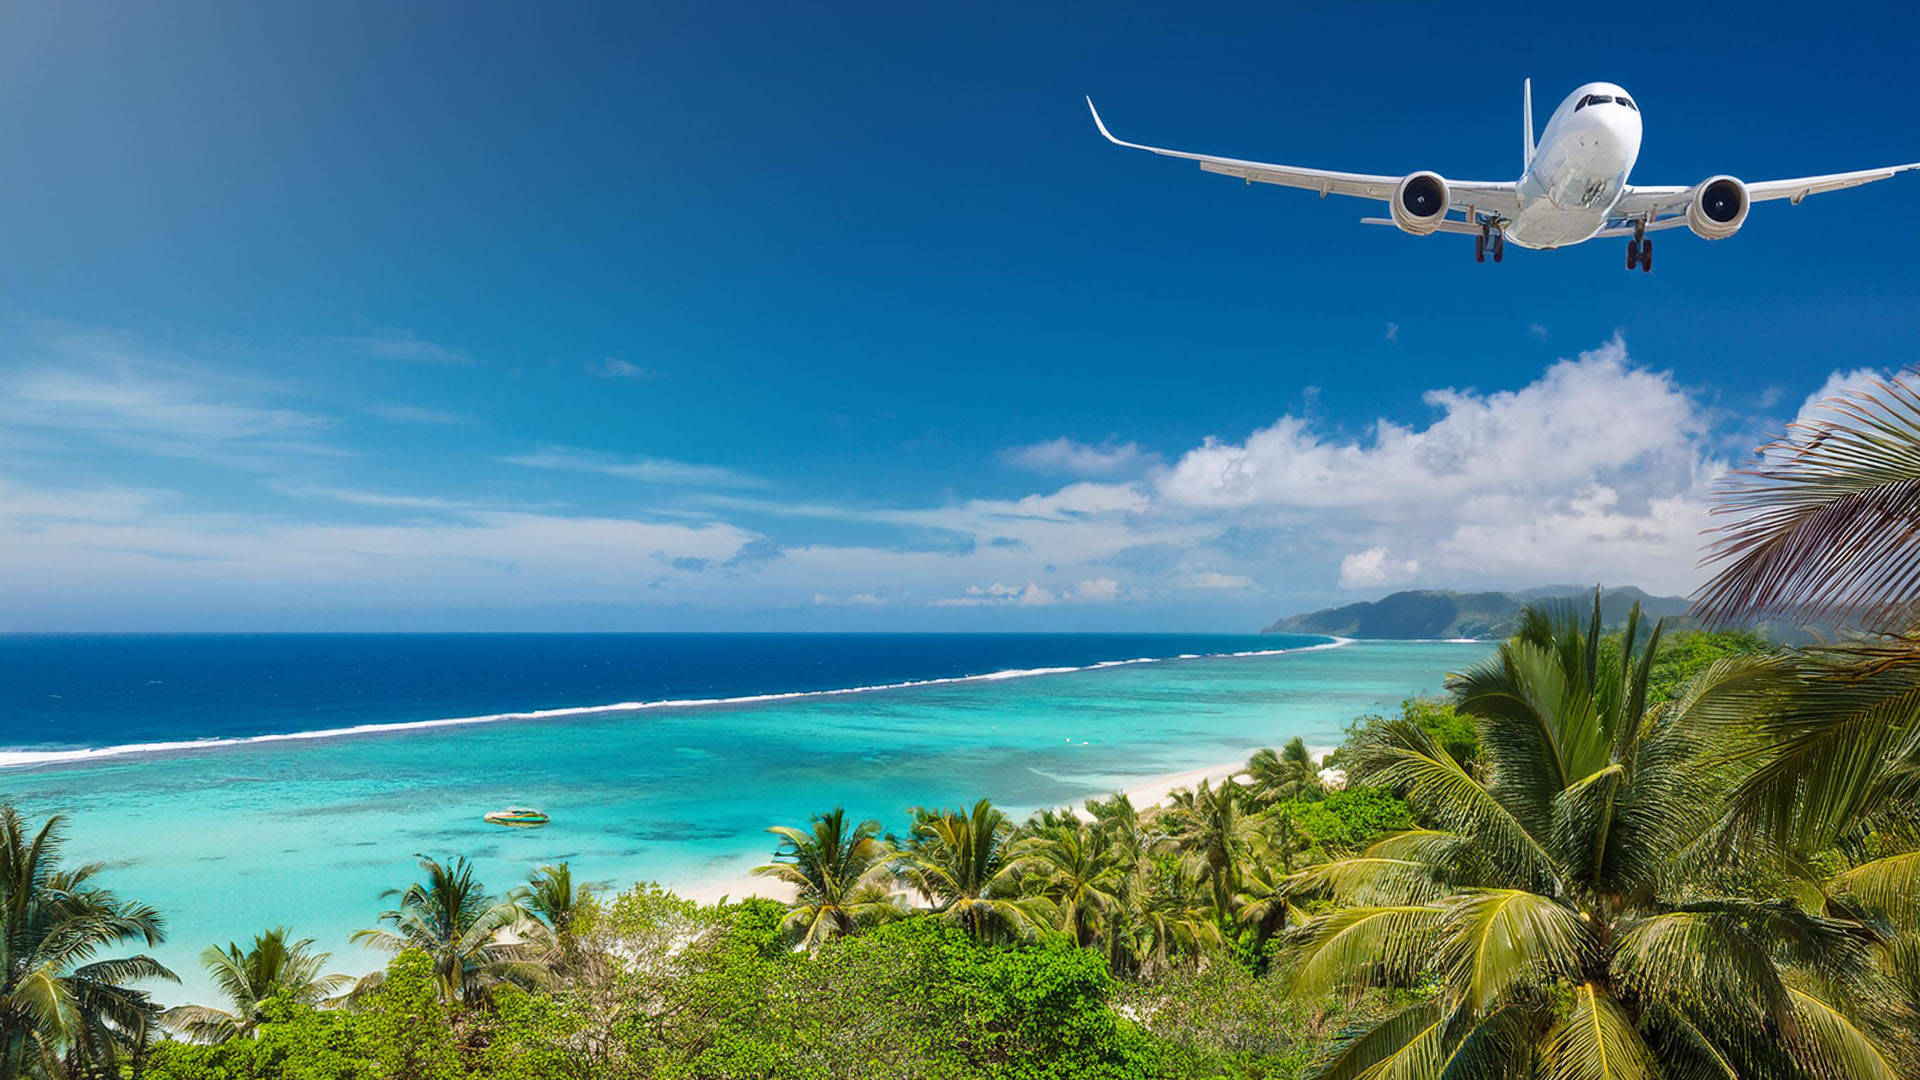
<point x="516" y="815"/>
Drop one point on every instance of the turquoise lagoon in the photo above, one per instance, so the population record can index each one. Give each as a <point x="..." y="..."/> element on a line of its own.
<point x="232" y="839"/>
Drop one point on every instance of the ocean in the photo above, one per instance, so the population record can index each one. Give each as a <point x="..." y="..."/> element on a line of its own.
<point x="240" y="782"/>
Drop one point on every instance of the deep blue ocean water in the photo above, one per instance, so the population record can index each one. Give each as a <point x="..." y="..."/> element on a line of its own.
<point x="60" y="691"/>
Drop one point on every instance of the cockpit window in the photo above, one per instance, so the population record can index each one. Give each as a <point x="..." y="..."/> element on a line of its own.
<point x="1582" y="103"/>
<point x="1628" y="102"/>
<point x="1599" y="99"/>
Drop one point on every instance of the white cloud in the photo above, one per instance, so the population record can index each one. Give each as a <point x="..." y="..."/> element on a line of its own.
<point x="1491" y="466"/>
<point x="389" y="344"/>
<point x="1374" y="566"/>
<point x="1097" y="591"/>
<point x="646" y="470"/>
<point x="1539" y="332"/>
<point x="1063" y="456"/>
<point x="99" y="390"/>
<point x="1214" y="579"/>
<point x="850" y="600"/>
<point x="612" y="368"/>
<point x="1393" y="332"/>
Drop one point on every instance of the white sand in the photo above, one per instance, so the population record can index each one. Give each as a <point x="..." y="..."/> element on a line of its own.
<point x="1157" y="792"/>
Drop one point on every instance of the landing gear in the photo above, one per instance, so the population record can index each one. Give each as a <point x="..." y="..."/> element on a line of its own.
<point x="1489" y="238"/>
<point x="1640" y="249"/>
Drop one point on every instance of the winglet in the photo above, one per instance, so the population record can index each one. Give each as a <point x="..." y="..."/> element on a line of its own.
<point x="1526" y="107"/>
<point x="1101" y="124"/>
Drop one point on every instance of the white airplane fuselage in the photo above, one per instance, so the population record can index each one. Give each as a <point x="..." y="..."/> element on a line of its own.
<point x="1578" y="170"/>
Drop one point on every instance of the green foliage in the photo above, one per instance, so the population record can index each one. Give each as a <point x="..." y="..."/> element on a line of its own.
<point x="401" y="1032"/>
<point x="1690" y="652"/>
<point x="1453" y="730"/>
<point x="1344" y="821"/>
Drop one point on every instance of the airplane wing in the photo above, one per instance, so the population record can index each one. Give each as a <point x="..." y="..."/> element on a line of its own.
<point x="1636" y="201"/>
<point x="1487" y="197"/>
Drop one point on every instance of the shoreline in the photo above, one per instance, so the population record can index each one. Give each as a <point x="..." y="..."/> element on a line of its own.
<point x="28" y="759"/>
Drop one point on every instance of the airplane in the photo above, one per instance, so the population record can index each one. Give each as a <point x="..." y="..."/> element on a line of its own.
<point x="1572" y="187"/>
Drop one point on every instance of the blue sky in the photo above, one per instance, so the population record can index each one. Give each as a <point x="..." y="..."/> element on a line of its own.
<point x="710" y="316"/>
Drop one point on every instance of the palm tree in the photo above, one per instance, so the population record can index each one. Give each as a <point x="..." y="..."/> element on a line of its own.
<point x="552" y="898"/>
<point x="1558" y="908"/>
<point x="451" y="918"/>
<point x="1289" y="774"/>
<point x="273" y="967"/>
<point x="1082" y="871"/>
<point x="838" y="874"/>
<point x="63" y="1012"/>
<point x="964" y="863"/>
<point x="1171" y="920"/>
<point x="1210" y="828"/>
<point x="1264" y="901"/>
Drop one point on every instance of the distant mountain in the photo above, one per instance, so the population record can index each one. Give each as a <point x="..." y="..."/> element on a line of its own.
<point x="1446" y="614"/>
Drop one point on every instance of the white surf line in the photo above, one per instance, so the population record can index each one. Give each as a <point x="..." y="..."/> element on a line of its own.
<point x="20" y="758"/>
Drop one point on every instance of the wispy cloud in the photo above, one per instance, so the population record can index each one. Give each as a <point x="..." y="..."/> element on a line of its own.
<point x="388" y="501"/>
<point x="1213" y="579"/>
<point x="613" y="368"/>
<point x="390" y="344"/>
<point x="1063" y="456"/>
<point x="645" y="470"/>
<point x="415" y="414"/>
<point x="103" y="389"/>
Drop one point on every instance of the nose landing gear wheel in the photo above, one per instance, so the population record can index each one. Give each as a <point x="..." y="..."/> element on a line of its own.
<point x="1646" y="256"/>
<point x="1499" y="247"/>
<point x="1480" y="248"/>
<point x="1633" y="253"/>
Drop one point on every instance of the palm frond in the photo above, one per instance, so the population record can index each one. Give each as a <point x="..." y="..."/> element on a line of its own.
<point x="1824" y="524"/>
<point x="1597" y="1041"/>
<point x="1829" y="1046"/>
<point x="1362" y="1051"/>
<point x="1364" y="946"/>
<point x="1890" y="885"/>
<point x="1400" y="755"/>
<point x="1497" y="940"/>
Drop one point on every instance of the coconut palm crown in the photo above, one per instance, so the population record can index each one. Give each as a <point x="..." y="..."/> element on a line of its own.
<point x="273" y="967"/>
<point x="1556" y="909"/>
<point x="451" y="917"/>
<point x="838" y="873"/>
<point x="62" y="1011"/>
<point x="965" y="864"/>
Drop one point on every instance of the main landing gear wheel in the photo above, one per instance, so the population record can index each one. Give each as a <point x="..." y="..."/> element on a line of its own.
<point x="1640" y="249"/>
<point x="1499" y="246"/>
<point x="1480" y="248"/>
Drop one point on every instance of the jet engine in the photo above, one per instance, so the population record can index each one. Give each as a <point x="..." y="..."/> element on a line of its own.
<point x="1420" y="203"/>
<point x="1718" y="208"/>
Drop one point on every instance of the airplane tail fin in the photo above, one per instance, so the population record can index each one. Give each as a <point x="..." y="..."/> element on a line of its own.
<point x="1526" y="110"/>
